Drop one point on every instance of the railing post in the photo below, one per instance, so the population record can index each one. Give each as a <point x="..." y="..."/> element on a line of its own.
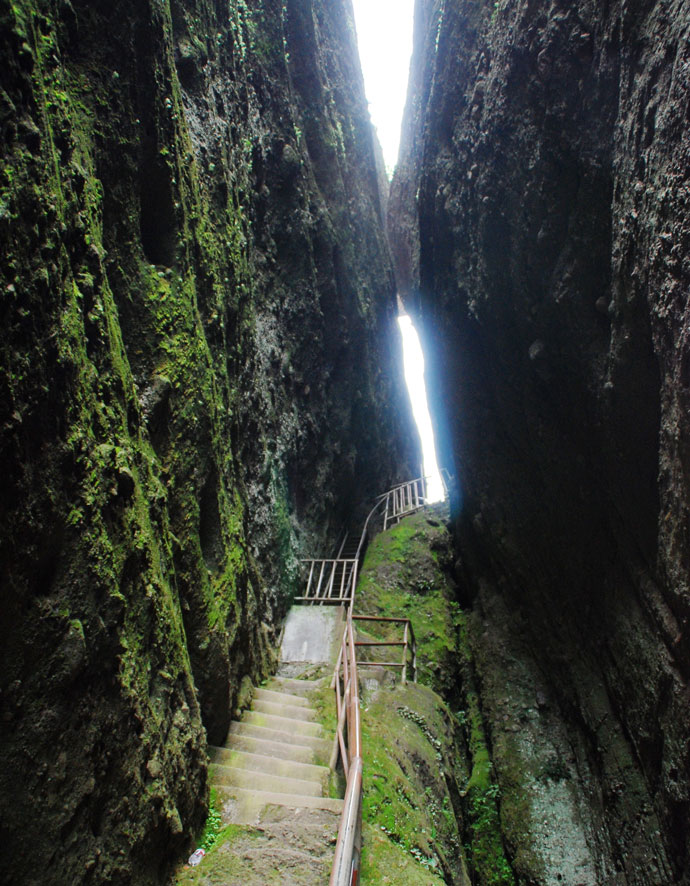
<point x="318" y="586"/>
<point x="404" y="661"/>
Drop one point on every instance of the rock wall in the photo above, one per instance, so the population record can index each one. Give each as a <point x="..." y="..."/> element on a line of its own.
<point x="198" y="385"/>
<point x="539" y="218"/>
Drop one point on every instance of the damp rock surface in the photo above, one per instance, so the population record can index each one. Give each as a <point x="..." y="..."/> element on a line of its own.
<point x="198" y="364"/>
<point x="537" y="219"/>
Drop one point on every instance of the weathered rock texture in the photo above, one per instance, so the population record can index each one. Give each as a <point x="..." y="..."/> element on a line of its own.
<point x="197" y="369"/>
<point x="540" y="220"/>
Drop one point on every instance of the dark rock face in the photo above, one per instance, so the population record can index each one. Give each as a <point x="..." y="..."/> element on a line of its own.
<point x="197" y="385"/>
<point x="539" y="220"/>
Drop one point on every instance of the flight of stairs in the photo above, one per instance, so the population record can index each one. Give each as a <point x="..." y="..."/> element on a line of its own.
<point x="276" y="755"/>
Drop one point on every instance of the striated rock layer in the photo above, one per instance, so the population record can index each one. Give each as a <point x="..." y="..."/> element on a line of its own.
<point x="539" y="219"/>
<point x="198" y="367"/>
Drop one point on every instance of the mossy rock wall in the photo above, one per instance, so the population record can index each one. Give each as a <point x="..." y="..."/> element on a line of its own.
<point x="197" y="384"/>
<point x="492" y="745"/>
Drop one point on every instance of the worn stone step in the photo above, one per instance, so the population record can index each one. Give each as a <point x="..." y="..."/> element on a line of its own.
<point x="248" y="744"/>
<point x="269" y="764"/>
<point x="295" y="687"/>
<point x="320" y="746"/>
<point x="283" y="724"/>
<point x="278" y="697"/>
<point x="253" y="745"/>
<point x="251" y="780"/>
<point x="245" y="806"/>
<point x="292" y="712"/>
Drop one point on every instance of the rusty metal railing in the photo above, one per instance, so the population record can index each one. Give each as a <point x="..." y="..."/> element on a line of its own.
<point x="408" y="644"/>
<point x="334" y="581"/>
<point x="345" y="871"/>
<point x="403" y="499"/>
<point x="330" y="581"/>
<point x="348" y="747"/>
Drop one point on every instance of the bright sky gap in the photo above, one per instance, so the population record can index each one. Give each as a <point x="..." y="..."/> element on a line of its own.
<point x="384" y="34"/>
<point x="413" y="359"/>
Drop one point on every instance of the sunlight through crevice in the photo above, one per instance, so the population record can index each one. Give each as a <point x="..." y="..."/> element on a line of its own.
<point x="413" y="359"/>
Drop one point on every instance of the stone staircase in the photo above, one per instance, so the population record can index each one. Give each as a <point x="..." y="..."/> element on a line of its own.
<point x="271" y="777"/>
<point x="277" y="754"/>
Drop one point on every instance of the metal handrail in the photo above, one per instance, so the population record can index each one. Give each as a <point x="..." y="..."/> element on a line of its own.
<point x="408" y="643"/>
<point x="404" y="499"/>
<point x="345" y="871"/>
<point x="400" y="485"/>
<point x="417" y="493"/>
<point x="348" y="847"/>
<point x="324" y="580"/>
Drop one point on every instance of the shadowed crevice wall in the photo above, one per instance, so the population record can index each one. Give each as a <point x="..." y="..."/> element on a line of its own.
<point x="537" y="218"/>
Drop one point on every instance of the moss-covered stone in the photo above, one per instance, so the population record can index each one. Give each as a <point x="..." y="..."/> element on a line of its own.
<point x="412" y="767"/>
<point x="177" y="263"/>
<point x="407" y="574"/>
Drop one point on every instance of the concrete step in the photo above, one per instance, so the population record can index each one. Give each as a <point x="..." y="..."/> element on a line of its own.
<point x="245" y="806"/>
<point x="320" y="746"/>
<point x="278" y="709"/>
<point x="252" y="745"/>
<point x="293" y="686"/>
<point x="283" y="724"/>
<point x="281" y="697"/>
<point x="271" y="765"/>
<point x="251" y="780"/>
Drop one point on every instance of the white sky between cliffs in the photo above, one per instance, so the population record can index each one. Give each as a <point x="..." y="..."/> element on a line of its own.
<point x="384" y="35"/>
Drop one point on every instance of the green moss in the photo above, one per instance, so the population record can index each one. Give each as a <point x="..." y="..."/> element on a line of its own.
<point x="386" y="864"/>
<point x="482" y="791"/>
<point x="215" y="840"/>
<point x="410" y="757"/>
<point x="403" y="575"/>
<point x="119" y="509"/>
<point x="213" y="831"/>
